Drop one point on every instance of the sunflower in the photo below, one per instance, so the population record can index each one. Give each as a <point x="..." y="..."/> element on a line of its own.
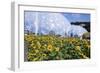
<point x="49" y="47"/>
<point x="38" y="45"/>
<point x="57" y="48"/>
<point x="77" y="48"/>
<point x="37" y="51"/>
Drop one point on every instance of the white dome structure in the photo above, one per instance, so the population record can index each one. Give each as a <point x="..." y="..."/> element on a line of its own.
<point x="77" y="31"/>
<point x="45" y="22"/>
<point x="54" y="22"/>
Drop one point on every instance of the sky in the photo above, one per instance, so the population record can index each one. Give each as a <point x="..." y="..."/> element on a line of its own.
<point x="77" y="17"/>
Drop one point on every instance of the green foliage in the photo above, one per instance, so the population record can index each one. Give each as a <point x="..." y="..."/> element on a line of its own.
<point x="48" y="47"/>
<point x="86" y="35"/>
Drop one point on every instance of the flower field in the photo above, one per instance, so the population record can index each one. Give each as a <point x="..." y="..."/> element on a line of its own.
<point x="49" y="47"/>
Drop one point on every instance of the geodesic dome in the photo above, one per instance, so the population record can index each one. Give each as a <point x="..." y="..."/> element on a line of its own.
<point x="77" y="31"/>
<point x="44" y="22"/>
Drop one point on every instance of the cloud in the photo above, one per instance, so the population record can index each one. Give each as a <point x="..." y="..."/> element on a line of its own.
<point x="75" y="15"/>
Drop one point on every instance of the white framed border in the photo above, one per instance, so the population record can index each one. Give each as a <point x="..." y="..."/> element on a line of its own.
<point x="17" y="51"/>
